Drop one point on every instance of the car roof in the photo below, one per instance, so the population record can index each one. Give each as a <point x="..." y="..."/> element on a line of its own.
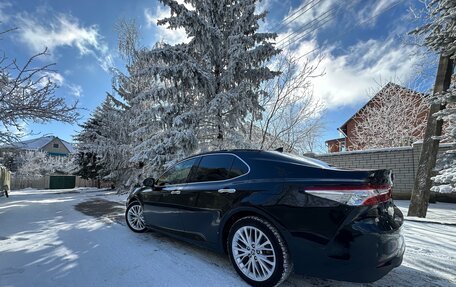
<point x="274" y="155"/>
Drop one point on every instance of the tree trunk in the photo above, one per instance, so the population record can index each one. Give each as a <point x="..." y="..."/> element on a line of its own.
<point x="422" y="187"/>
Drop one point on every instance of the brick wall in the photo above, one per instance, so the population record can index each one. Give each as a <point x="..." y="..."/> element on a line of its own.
<point x="402" y="160"/>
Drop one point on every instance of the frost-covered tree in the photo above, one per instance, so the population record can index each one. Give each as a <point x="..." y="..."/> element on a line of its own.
<point x="439" y="30"/>
<point x="214" y="80"/>
<point x="28" y="94"/>
<point x="89" y="166"/>
<point x="157" y="118"/>
<point x="39" y="163"/>
<point x="439" y="34"/>
<point x="394" y="117"/>
<point x="445" y="181"/>
<point x="190" y="97"/>
<point x="291" y="117"/>
<point x="106" y="135"/>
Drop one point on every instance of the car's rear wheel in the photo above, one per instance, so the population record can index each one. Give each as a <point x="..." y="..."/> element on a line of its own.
<point x="258" y="252"/>
<point x="134" y="217"/>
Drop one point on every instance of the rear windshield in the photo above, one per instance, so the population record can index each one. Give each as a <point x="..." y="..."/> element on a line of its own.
<point x="304" y="160"/>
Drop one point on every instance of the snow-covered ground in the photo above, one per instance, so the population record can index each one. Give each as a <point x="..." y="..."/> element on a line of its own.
<point x="45" y="241"/>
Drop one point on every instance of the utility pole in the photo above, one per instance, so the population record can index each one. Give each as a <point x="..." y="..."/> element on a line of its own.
<point x="422" y="187"/>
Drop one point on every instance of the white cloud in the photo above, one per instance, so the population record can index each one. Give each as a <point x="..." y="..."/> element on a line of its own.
<point x="39" y="31"/>
<point x="54" y="77"/>
<point x="170" y="36"/>
<point x="63" y="30"/>
<point x="350" y="76"/>
<point x="4" y="16"/>
<point x="59" y="80"/>
<point x="75" y="90"/>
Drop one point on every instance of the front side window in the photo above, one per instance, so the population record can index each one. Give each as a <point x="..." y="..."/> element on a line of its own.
<point x="177" y="174"/>
<point x="219" y="167"/>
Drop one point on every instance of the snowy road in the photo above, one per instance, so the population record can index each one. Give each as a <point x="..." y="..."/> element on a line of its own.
<point x="45" y="241"/>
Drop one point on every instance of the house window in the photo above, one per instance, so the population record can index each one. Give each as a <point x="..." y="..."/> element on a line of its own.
<point x="342" y="146"/>
<point x="56" y="145"/>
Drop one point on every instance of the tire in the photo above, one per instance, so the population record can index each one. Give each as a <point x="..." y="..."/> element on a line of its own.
<point x="266" y="264"/>
<point x="135" y="218"/>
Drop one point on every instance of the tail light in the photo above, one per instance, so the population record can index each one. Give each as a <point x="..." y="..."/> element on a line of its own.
<point x="353" y="195"/>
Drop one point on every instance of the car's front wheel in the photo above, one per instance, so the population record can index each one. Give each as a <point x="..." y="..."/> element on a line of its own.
<point x="134" y="217"/>
<point x="258" y="252"/>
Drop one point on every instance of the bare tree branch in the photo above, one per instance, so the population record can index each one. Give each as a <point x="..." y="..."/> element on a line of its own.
<point x="27" y="94"/>
<point x="395" y="117"/>
<point x="292" y="113"/>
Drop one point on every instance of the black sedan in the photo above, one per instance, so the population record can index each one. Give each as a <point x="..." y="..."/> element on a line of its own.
<point x="274" y="213"/>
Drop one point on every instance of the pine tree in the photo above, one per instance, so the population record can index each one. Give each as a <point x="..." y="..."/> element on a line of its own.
<point x="89" y="167"/>
<point x="87" y="159"/>
<point x="179" y="99"/>
<point x="445" y="181"/>
<point x="216" y="77"/>
<point x="162" y="121"/>
<point x="440" y="36"/>
<point x="106" y="136"/>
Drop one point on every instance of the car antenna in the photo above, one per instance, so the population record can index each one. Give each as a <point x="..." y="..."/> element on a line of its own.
<point x="280" y="149"/>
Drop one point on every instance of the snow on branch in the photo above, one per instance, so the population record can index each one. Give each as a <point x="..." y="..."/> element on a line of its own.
<point x="291" y="116"/>
<point x="28" y="94"/>
<point x="394" y="117"/>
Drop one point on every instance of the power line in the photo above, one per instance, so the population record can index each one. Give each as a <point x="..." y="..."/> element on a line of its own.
<point x="320" y="18"/>
<point x="342" y="35"/>
<point x="284" y="21"/>
<point x="328" y="15"/>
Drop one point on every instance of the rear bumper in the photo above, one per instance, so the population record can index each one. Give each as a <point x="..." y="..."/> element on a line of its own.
<point x="355" y="257"/>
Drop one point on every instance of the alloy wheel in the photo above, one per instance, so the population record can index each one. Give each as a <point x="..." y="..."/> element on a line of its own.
<point x="135" y="217"/>
<point x="253" y="253"/>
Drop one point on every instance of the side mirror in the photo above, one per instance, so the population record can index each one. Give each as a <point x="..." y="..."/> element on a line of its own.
<point x="150" y="182"/>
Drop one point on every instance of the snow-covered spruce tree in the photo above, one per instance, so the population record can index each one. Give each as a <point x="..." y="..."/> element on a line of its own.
<point x="87" y="160"/>
<point x="440" y="36"/>
<point x="445" y="181"/>
<point x="163" y="123"/>
<point x="106" y="136"/>
<point x="212" y="82"/>
<point x="394" y="117"/>
<point x="159" y="127"/>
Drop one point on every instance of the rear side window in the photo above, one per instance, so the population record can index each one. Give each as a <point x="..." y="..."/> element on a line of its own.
<point x="238" y="168"/>
<point x="219" y="167"/>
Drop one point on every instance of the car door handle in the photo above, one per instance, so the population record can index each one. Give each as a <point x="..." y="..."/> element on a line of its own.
<point x="227" y="190"/>
<point x="175" y="192"/>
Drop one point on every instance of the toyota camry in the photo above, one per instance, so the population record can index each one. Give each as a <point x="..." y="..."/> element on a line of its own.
<point x="274" y="213"/>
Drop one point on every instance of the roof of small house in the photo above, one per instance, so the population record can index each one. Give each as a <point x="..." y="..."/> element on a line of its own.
<point x="38" y="143"/>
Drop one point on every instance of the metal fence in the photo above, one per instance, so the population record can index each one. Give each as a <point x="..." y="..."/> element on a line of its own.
<point x="43" y="182"/>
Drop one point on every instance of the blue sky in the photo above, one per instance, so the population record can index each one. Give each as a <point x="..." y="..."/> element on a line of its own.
<point x="361" y="46"/>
